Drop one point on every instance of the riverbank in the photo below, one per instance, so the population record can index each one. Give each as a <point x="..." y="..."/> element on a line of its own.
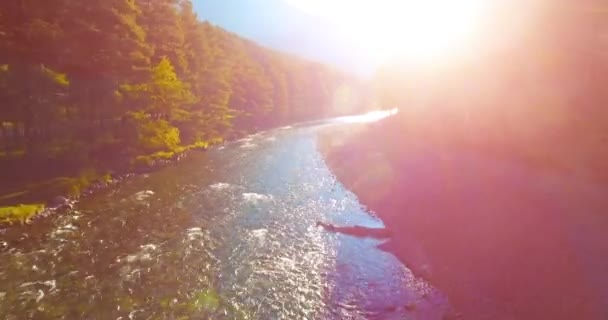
<point x="46" y="186"/>
<point x="224" y="234"/>
<point x="502" y="239"/>
<point x="32" y="199"/>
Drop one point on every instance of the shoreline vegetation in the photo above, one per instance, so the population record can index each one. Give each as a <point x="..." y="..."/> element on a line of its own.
<point x="503" y="239"/>
<point x="93" y="90"/>
<point x="47" y="197"/>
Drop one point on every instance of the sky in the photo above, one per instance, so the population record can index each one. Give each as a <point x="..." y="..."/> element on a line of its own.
<point x="279" y="25"/>
<point x="357" y="36"/>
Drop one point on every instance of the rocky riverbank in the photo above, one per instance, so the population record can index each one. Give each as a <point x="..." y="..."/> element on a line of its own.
<point x="502" y="240"/>
<point x="62" y="193"/>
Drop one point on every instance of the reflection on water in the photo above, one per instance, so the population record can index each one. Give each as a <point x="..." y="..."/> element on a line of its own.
<point x="368" y="117"/>
<point x="227" y="234"/>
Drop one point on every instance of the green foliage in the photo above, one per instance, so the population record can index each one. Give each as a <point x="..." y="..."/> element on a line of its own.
<point x="156" y="135"/>
<point x="207" y="301"/>
<point x="55" y="77"/>
<point x="74" y="186"/>
<point x="165" y="31"/>
<point x="148" y="161"/>
<point x="165" y="94"/>
<point x="106" y="178"/>
<point x="96" y="81"/>
<point x="163" y="155"/>
<point x="19" y="214"/>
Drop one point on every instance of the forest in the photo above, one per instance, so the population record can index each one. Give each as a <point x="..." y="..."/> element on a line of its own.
<point x="122" y="83"/>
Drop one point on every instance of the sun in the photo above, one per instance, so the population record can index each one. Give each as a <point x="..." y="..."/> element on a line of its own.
<point x="422" y="31"/>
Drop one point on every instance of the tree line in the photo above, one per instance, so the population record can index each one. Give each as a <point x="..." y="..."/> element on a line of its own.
<point x="100" y="80"/>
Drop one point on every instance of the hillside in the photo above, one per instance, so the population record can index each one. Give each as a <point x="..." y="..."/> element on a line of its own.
<point x="103" y="86"/>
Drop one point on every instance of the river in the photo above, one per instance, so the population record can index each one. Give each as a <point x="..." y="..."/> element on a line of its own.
<point x="225" y="234"/>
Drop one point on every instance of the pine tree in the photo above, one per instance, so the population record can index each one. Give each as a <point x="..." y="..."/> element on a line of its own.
<point x="100" y="78"/>
<point x="162" y="23"/>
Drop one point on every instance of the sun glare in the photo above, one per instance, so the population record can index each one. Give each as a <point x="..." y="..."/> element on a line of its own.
<point x="418" y="30"/>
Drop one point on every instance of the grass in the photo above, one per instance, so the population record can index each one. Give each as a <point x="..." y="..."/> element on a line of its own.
<point x="21" y="213"/>
<point x="147" y="161"/>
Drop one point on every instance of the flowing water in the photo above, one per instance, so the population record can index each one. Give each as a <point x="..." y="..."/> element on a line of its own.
<point x="225" y="234"/>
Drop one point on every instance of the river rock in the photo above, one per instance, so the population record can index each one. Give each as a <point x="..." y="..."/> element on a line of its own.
<point x="60" y="202"/>
<point x="143" y="195"/>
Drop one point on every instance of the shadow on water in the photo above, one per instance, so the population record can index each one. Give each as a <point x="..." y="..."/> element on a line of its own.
<point x="227" y="234"/>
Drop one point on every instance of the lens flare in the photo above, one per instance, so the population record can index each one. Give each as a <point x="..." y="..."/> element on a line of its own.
<point x="421" y="31"/>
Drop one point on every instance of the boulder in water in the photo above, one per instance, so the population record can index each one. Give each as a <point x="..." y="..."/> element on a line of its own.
<point x="143" y="195"/>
